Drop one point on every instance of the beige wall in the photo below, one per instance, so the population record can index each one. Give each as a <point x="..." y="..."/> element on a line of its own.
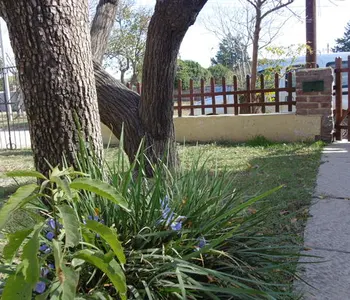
<point x="107" y="136"/>
<point x="275" y="127"/>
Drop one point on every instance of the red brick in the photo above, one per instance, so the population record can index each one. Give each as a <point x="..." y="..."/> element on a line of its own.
<point x="307" y="105"/>
<point x="326" y="105"/>
<point x="302" y="99"/>
<point x="302" y="112"/>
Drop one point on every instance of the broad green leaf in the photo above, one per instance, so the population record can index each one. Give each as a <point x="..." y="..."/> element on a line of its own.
<point x="16" y="288"/>
<point x="111" y="269"/>
<point x="63" y="184"/>
<point x="14" y="202"/>
<point x="30" y="262"/>
<point x="25" y="173"/>
<point x="15" y="241"/>
<point x="71" y="225"/>
<point x="70" y="282"/>
<point x="110" y="236"/>
<point x="57" y="253"/>
<point x="100" y="188"/>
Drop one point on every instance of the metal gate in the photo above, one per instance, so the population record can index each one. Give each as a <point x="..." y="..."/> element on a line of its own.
<point x="14" y="130"/>
<point x="342" y="99"/>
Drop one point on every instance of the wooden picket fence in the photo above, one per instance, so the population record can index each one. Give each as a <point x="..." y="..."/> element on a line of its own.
<point x="219" y="98"/>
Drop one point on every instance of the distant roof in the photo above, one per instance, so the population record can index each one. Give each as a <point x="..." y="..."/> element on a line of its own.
<point x="322" y="60"/>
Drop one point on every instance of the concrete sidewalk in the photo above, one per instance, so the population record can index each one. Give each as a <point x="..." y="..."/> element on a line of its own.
<point x="327" y="232"/>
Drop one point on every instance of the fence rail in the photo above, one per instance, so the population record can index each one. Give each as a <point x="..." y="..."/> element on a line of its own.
<point x="218" y="98"/>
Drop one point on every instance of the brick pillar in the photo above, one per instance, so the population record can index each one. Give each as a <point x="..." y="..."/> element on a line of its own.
<point x="314" y="97"/>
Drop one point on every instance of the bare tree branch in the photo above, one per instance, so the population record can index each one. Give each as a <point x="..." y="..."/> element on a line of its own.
<point x="276" y="8"/>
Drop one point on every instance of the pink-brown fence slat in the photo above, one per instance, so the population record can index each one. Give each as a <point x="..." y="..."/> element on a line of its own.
<point x="212" y="90"/>
<point x="223" y="82"/>
<point x="202" y="96"/>
<point x="290" y="95"/>
<point x="191" y="97"/>
<point x="235" y="96"/>
<point x="262" y="95"/>
<point x="338" y="98"/>
<point x="277" y="94"/>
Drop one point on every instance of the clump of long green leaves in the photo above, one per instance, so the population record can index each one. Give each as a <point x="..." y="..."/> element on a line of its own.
<point x="188" y="234"/>
<point x="60" y="253"/>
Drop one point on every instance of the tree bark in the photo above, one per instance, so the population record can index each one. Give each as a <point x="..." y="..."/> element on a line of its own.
<point x="102" y="26"/>
<point x="168" y="26"/>
<point x="52" y="49"/>
<point x="119" y="107"/>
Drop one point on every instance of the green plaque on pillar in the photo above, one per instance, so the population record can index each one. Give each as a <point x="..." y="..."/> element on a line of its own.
<point x="313" y="86"/>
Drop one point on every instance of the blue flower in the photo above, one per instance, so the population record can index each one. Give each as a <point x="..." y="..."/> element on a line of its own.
<point x="51" y="223"/>
<point x="168" y="216"/>
<point x="40" y="287"/>
<point x="176" y="226"/>
<point x="45" y="248"/>
<point x="51" y="266"/>
<point x="44" y="272"/>
<point x="202" y="242"/>
<point x="50" y="235"/>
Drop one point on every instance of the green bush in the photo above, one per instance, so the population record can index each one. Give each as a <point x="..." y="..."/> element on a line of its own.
<point x="187" y="235"/>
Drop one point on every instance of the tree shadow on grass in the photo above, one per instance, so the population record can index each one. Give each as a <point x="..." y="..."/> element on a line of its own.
<point x="16" y="153"/>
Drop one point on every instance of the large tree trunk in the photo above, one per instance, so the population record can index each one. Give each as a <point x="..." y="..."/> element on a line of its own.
<point x="52" y="48"/>
<point x="119" y="107"/>
<point x="101" y="27"/>
<point x="167" y="28"/>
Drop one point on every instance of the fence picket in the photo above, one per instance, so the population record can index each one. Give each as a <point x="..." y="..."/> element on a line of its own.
<point x="262" y="97"/>
<point x="235" y="96"/>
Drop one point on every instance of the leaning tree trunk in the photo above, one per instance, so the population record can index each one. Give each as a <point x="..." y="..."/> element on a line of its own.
<point x="101" y="27"/>
<point x="52" y="48"/>
<point x="166" y="30"/>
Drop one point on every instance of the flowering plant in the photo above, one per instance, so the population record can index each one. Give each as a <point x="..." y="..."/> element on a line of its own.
<point x="60" y="247"/>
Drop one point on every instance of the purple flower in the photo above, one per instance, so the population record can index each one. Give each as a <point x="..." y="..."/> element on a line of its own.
<point x="44" y="247"/>
<point x="176" y="226"/>
<point x="44" y="272"/>
<point x="51" y="266"/>
<point x="51" y="223"/>
<point x="169" y="216"/>
<point x="202" y="242"/>
<point x="50" y="235"/>
<point x="40" y="287"/>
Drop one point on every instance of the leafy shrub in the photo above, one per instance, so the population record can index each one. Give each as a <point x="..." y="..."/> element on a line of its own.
<point x="259" y="141"/>
<point x="61" y="248"/>
<point x="187" y="235"/>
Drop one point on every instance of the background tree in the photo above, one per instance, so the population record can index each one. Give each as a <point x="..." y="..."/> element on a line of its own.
<point x="218" y="71"/>
<point x="56" y="76"/>
<point x="256" y="25"/>
<point x="127" y="42"/>
<point x="189" y="69"/>
<point x="343" y="44"/>
<point x="233" y="54"/>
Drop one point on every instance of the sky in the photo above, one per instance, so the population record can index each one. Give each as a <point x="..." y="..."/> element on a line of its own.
<point x="200" y="44"/>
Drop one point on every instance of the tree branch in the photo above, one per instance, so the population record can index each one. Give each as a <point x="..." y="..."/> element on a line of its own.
<point x="276" y="8"/>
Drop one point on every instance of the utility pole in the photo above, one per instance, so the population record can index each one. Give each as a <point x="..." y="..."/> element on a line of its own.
<point x="311" y="34"/>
